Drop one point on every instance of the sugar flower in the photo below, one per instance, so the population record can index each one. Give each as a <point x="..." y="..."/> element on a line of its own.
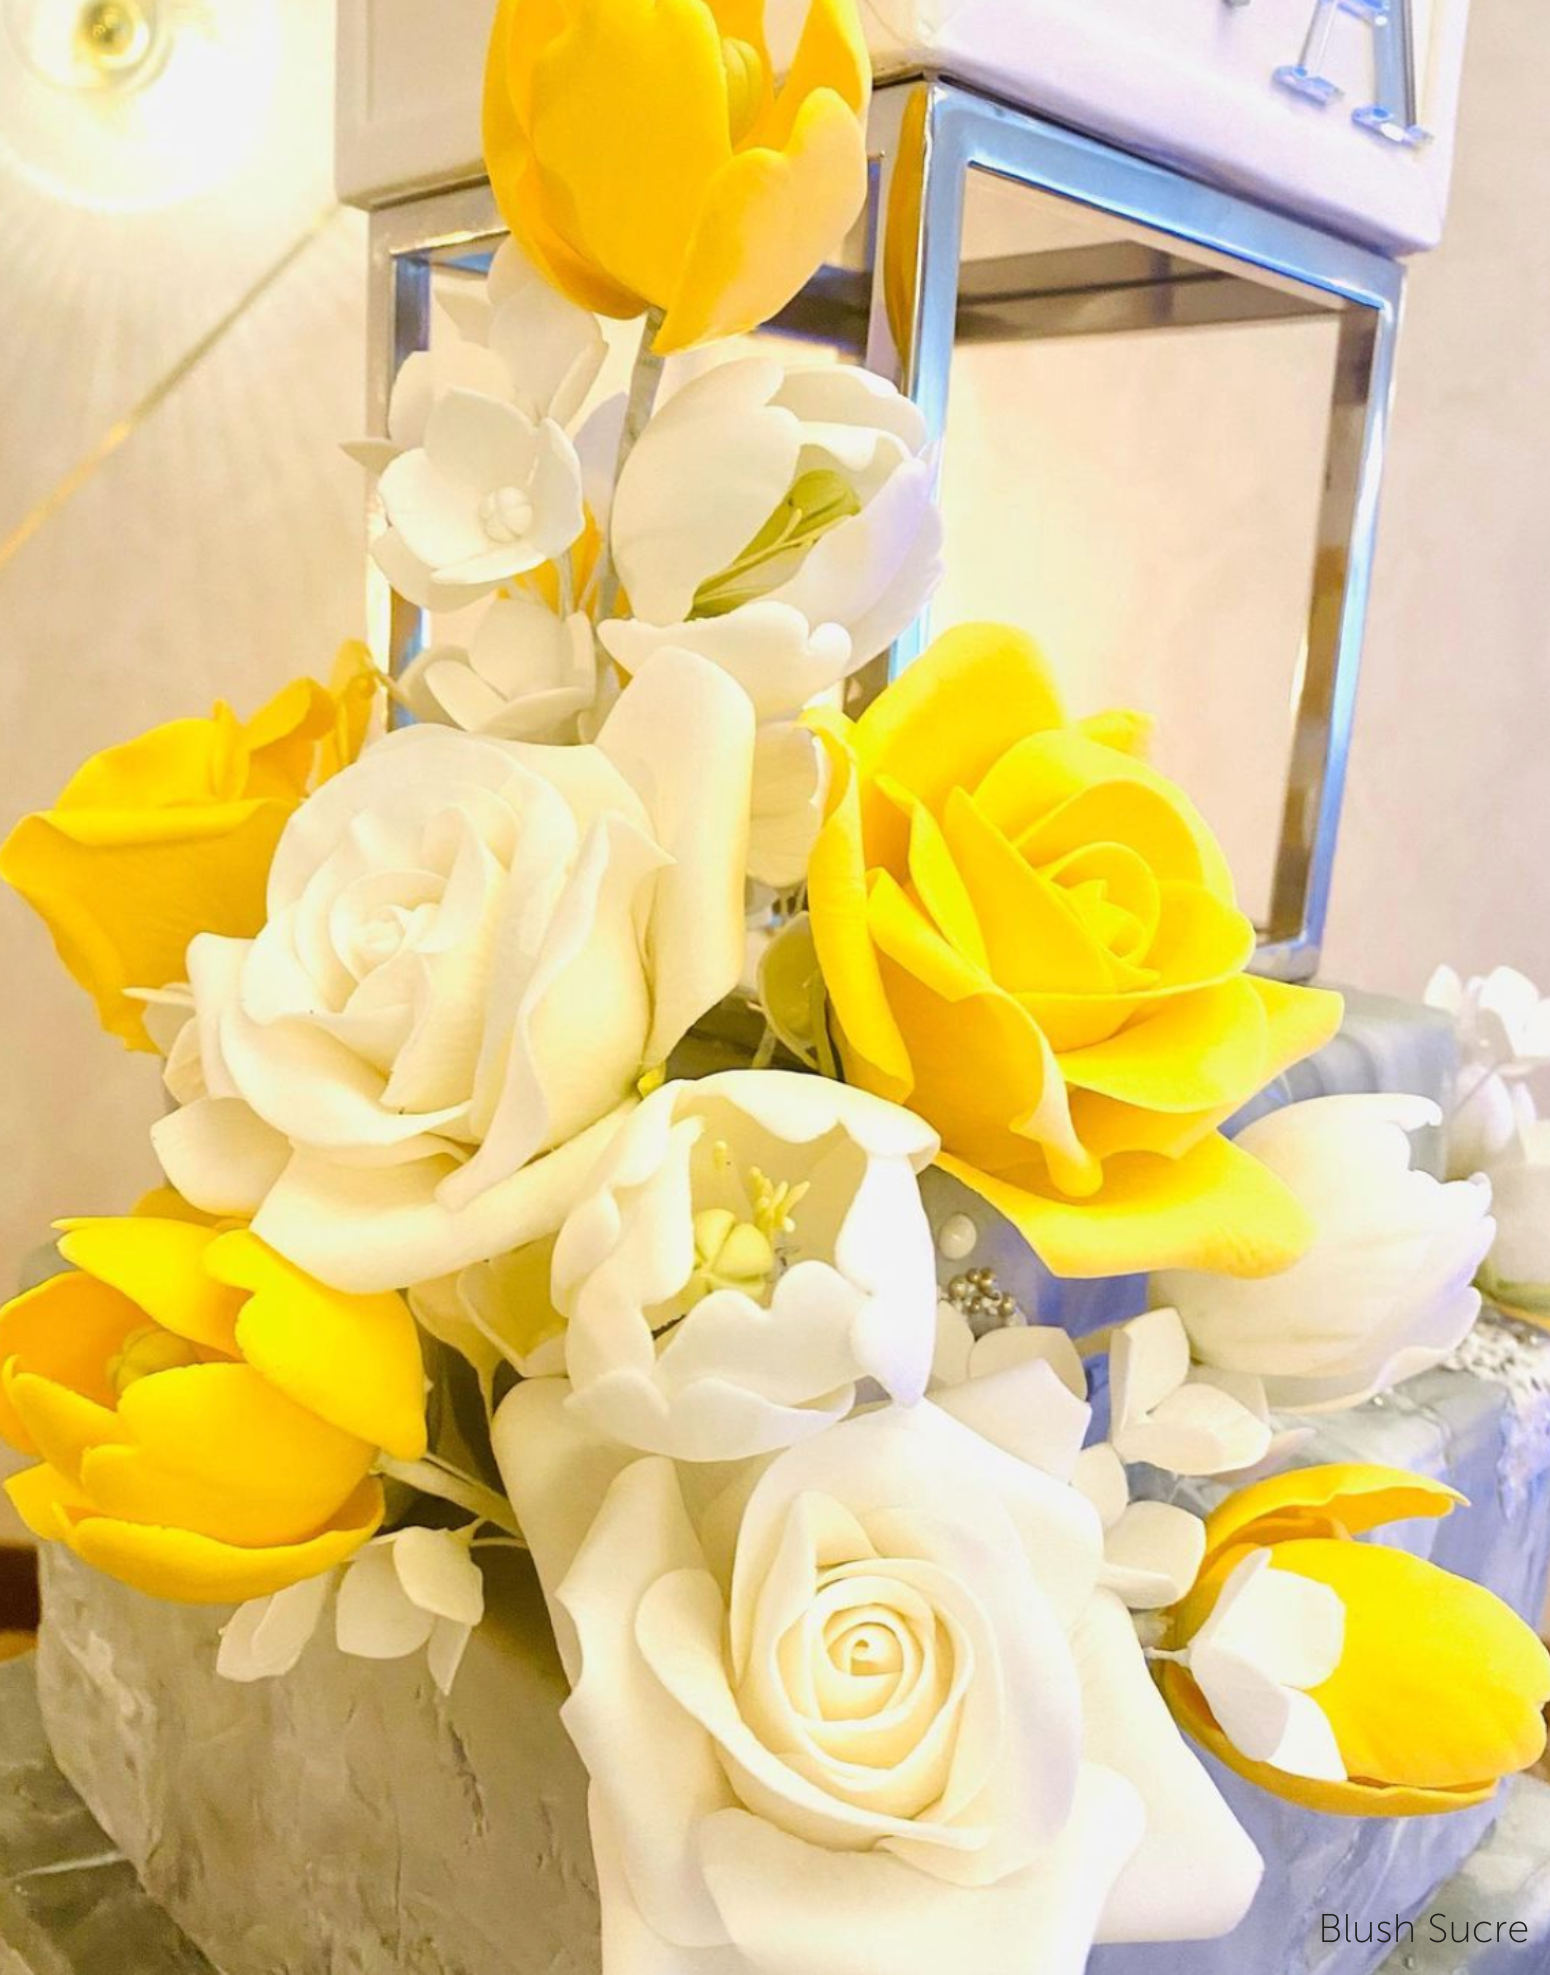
<point x="1024" y="1388"/>
<point x="206" y="1418"/>
<point x="1516" y="1273"/>
<point x="474" y="949"/>
<point x="529" y="674"/>
<point x="758" y="485"/>
<point x="172" y="834"/>
<point x="1348" y="1676"/>
<point x="414" y="1590"/>
<point x="510" y="337"/>
<point x="1029" y="937"/>
<point x="750" y="1246"/>
<point x="904" y="1725"/>
<point x="550" y="349"/>
<point x="1503" y="1027"/>
<point x="488" y="494"/>
<point x="1188" y="1420"/>
<point x="645" y="156"/>
<point x="1151" y="1550"/>
<point x="790" y="572"/>
<point x="1384" y="1291"/>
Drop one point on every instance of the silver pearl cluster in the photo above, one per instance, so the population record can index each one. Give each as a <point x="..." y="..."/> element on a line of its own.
<point x="978" y="1296"/>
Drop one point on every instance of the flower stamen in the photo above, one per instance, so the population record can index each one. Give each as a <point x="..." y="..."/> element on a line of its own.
<point x="146" y="1351"/>
<point x="745" y="87"/>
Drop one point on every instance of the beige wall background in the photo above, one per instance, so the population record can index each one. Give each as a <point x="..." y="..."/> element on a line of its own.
<point x="216" y="553"/>
<point x="219" y="551"/>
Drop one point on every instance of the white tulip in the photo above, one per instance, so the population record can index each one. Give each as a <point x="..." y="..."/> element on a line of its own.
<point x="782" y="525"/>
<point x="1383" y="1292"/>
<point x="904" y="1726"/>
<point x="488" y="495"/>
<point x="767" y="486"/>
<point x="1502" y="1023"/>
<point x="474" y="950"/>
<point x="1517" y="1271"/>
<point x="750" y="1247"/>
<point x="528" y="674"/>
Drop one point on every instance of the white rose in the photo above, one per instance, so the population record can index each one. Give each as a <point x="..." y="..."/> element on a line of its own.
<point x="1385" y="1289"/>
<point x="868" y="1708"/>
<point x="750" y="1246"/>
<point x="474" y="949"/>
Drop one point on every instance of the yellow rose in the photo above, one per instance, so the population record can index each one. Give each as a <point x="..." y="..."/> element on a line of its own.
<point x="206" y="1416"/>
<point x="644" y="157"/>
<point x="1029" y="937"/>
<point x="1438" y="1688"/>
<point x="172" y="834"/>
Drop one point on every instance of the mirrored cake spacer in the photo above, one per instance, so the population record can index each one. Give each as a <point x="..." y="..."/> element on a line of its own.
<point x="1103" y="247"/>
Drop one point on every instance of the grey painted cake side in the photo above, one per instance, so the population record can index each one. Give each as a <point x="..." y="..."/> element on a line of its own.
<point x="344" y="1820"/>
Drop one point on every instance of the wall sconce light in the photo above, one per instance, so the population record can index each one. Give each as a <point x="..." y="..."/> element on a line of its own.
<point x="130" y="105"/>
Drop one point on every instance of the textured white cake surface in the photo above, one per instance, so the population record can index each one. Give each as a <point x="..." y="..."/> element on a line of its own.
<point x="1191" y="82"/>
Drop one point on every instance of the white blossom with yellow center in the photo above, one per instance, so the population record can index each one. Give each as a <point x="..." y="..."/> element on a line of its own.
<point x="752" y="1247"/>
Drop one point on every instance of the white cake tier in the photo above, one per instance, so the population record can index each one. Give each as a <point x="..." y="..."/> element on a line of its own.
<point x="1209" y="85"/>
<point x="346" y="1818"/>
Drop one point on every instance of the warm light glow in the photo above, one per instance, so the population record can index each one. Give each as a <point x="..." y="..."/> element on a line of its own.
<point x="124" y="105"/>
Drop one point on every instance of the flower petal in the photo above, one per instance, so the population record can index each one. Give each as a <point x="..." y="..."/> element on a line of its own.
<point x="1349" y="1495"/>
<point x="352" y="1360"/>
<point x="67" y="1328"/>
<point x="162" y="1266"/>
<point x="265" y="1637"/>
<point x="1440" y="1684"/>
<point x="196" y="1570"/>
<point x="1195" y="1870"/>
<point x="767" y="222"/>
<point x="682" y="734"/>
<point x="216" y="1449"/>
<point x="808" y="1910"/>
<point x="1213" y="1208"/>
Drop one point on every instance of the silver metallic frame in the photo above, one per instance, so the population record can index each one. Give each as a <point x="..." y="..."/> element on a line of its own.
<point x="901" y="308"/>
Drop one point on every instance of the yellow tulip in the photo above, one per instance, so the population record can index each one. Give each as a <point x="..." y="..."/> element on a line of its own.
<point x="1029" y="937"/>
<point x="206" y="1417"/>
<point x="1440" y="1688"/>
<point x="644" y="156"/>
<point x="172" y="834"/>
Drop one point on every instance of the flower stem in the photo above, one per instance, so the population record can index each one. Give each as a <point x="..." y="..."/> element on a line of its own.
<point x="433" y="1477"/>
<point x="645" y="382"/>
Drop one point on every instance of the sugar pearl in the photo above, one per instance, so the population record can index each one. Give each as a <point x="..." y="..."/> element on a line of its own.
<point x="959" y="1237"/>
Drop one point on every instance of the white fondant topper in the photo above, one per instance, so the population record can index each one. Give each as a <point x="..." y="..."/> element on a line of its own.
<point x="1339" y="110"/>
